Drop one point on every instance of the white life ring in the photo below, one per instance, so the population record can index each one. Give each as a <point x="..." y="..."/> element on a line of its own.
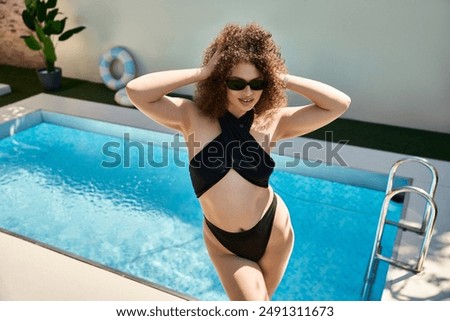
<point x="129" y="68"/>
<point x="121" y="98"/>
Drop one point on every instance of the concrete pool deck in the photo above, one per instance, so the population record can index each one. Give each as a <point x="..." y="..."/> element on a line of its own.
<point x="20" y="275"/>
<point x="32" y="272"/>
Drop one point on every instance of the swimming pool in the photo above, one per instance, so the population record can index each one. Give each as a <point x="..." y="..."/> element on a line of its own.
<point x="59" y="185"/>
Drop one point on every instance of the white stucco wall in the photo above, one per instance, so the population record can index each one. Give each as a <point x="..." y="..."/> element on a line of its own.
<point x="392" y="57"/>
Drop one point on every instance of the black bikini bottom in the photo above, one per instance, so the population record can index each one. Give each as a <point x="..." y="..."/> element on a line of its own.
<point x="250" y="244"/>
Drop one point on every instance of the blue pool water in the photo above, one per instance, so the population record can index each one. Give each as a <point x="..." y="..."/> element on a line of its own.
<point x="58" y="186"/>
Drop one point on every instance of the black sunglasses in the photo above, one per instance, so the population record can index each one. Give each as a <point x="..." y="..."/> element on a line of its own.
<point x="240" y="84"/>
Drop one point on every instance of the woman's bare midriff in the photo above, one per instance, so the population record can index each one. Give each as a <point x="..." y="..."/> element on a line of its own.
<point x="234" y="204"/>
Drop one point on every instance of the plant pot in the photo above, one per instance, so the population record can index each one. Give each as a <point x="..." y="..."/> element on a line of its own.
<point x="50" y="80"/>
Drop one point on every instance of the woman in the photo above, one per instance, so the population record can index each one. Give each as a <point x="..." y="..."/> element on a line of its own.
<point x="238" y="114"/>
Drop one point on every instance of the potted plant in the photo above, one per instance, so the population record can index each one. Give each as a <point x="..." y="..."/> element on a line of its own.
<point x="41" y="17"/>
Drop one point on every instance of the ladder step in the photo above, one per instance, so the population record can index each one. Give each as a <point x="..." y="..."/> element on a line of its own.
<point x="408" y="226"/>
<point x="397" y="263"/>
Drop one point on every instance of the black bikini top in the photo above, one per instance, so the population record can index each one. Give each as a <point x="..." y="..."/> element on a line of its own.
<point x="233" y="148"/>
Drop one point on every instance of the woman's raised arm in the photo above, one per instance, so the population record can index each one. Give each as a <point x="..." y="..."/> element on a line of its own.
<point x="148" y="94"/>
<point x="328" y="103"/>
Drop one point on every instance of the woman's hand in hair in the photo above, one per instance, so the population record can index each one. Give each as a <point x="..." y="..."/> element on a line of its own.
<point x="209" y="67"/>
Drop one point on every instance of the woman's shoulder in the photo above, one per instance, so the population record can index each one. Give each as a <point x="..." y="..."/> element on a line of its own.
<point x="198" y="120"/>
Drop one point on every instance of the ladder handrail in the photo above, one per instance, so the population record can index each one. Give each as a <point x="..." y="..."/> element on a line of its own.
<point x="376" y="254"/>
<point x="431" y="190"/>
<point x="420" y="160"/>
<point x="428" y="222"/>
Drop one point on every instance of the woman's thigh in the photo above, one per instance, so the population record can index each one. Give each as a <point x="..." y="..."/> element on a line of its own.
<point x="276" y="258"/>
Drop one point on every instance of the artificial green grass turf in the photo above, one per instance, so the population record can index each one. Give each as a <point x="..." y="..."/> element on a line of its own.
<point x="402" y="140"/>
<point x="24" y="83"/>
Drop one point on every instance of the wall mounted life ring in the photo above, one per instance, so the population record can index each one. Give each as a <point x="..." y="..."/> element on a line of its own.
<point x="129" y="69"/>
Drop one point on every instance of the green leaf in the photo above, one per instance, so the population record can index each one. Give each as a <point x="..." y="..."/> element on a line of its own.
<point x="31" y="42"/>
<point x="49" y="50"/>
<point x="28" y="19"/>
<point x="41" y="11"/>
<point x="51" y="3"/>
<point x="69" y="33"/>
<point x="30" y="4"/>
<point x="52" y="14"/>
<point x="63" y="25"/>
<point x="54" y="27"/>
<point x="49" y="28"/>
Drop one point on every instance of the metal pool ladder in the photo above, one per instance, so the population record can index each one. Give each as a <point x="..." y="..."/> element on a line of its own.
<point x="425" y="230"/>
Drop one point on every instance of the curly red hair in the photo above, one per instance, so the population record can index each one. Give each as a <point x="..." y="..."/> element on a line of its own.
<point x="251" y="44"/>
